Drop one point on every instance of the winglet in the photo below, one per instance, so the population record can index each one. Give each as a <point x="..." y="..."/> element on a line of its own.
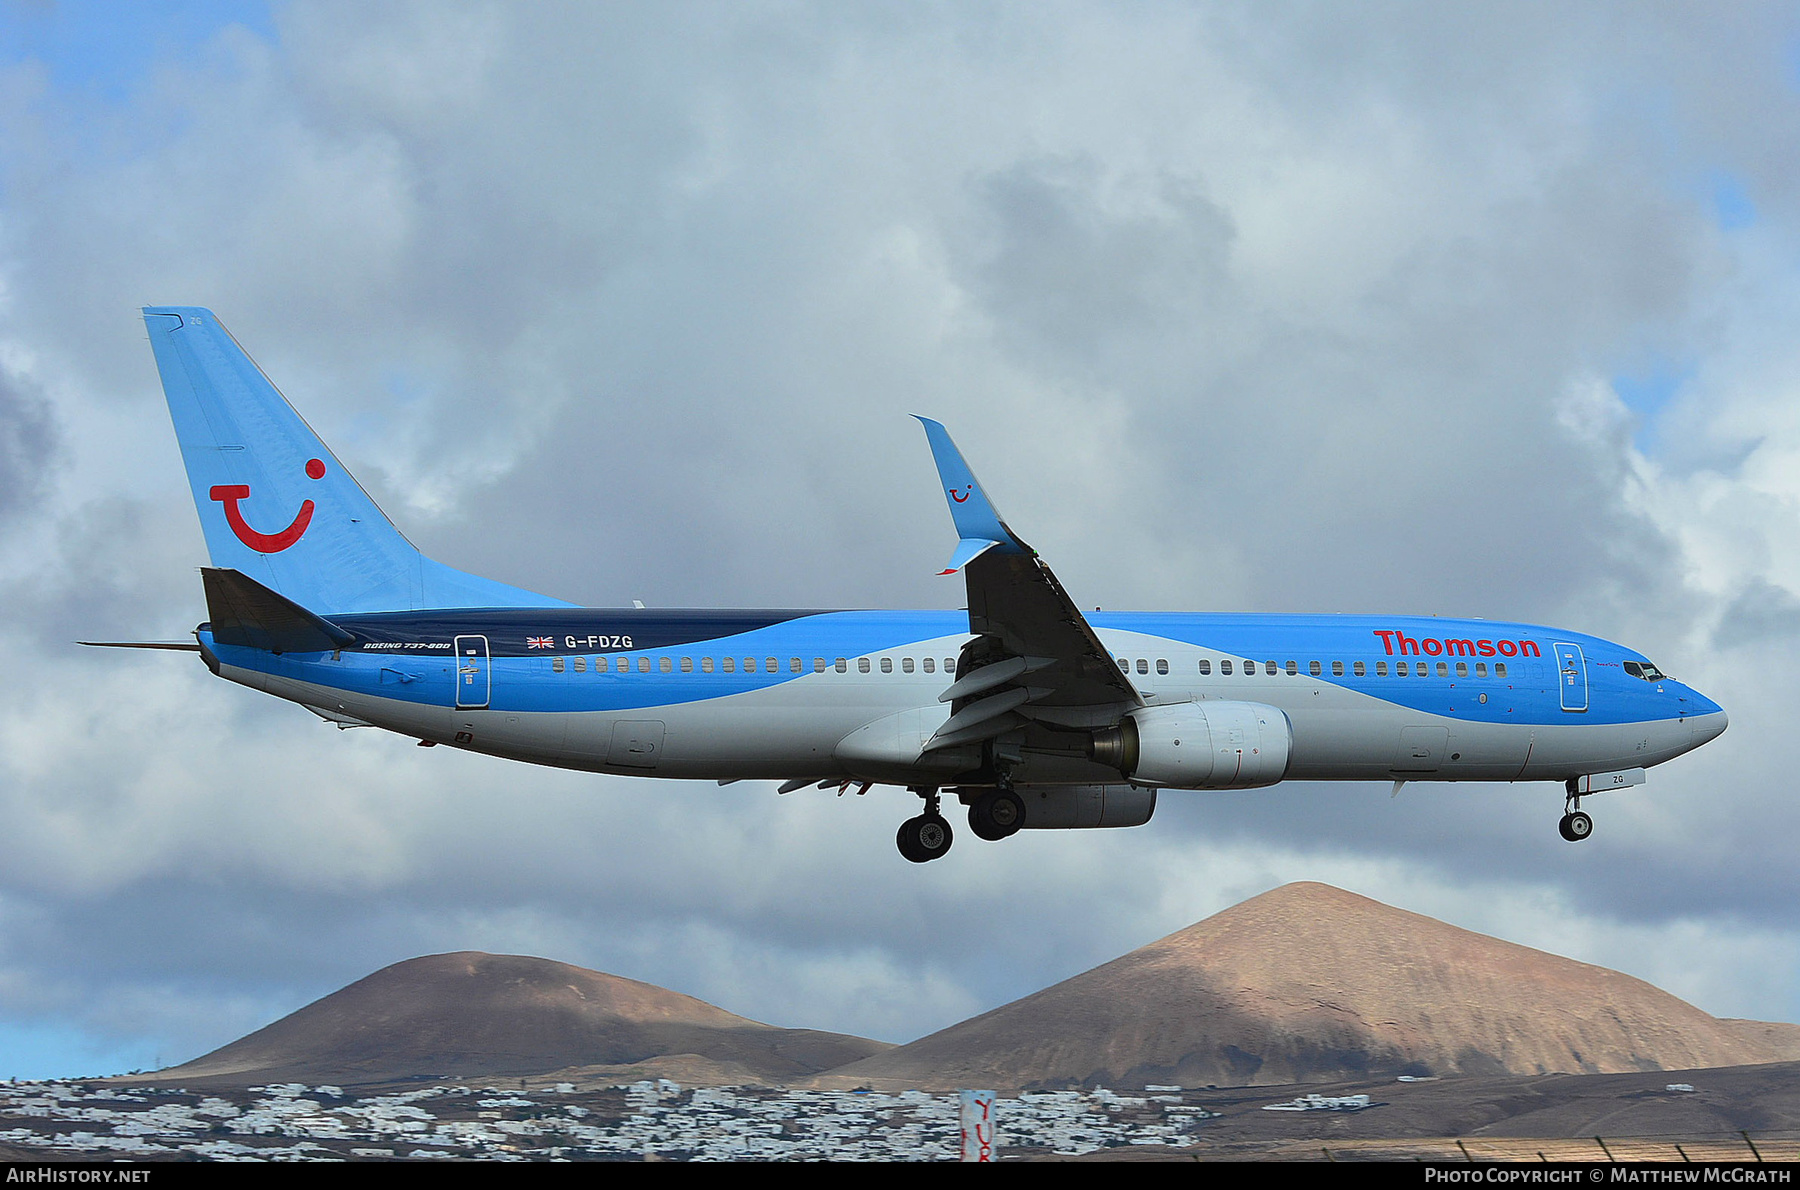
<point x="977" y="523"/>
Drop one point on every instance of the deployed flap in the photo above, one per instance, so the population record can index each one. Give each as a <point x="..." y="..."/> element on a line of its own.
<point x="1016" y="601"/>
<point x="244" y="612"/>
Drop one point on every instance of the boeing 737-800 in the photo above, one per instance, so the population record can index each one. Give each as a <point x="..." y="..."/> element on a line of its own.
<point x="1030" y="713"/>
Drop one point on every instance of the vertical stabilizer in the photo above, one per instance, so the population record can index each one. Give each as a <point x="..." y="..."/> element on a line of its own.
<point x="275" y="503"/>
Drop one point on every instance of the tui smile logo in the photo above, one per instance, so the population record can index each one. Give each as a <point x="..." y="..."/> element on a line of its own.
<point x="966" y="493"/>
<point x="229" y="494"/>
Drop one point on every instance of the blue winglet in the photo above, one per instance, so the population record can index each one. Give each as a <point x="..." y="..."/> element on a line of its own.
<point x="979" y="526"/>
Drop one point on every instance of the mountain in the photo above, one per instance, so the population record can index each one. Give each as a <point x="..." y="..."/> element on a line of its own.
<point x="472" y="1015"/>
<point x="1309" y="983"/>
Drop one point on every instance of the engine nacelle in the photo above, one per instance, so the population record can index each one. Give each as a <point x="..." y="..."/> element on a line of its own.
<point x="1075" y="807"/>
<point x="1194" y="745"/>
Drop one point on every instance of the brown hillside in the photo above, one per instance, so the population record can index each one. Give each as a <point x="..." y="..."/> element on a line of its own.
<point x="1310" y="983"/>
<point x="474" y="1015"/>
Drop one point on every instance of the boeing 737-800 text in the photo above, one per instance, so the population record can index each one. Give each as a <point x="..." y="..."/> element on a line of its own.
<point x="1027" y="711"/>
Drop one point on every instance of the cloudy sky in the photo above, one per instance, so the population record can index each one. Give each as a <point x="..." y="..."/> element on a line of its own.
<point x="1469" y="310"/>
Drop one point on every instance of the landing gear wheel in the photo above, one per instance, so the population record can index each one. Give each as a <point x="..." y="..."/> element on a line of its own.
<point x="996" y="815"/>
<point x="1575" y="826"/>
<point x="924" y="838"/>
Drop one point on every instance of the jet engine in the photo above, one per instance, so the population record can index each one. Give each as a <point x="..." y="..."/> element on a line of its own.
<point x="1193" y="745"/>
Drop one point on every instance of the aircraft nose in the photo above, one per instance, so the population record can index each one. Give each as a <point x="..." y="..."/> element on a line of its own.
<point x="1708" y="725"/>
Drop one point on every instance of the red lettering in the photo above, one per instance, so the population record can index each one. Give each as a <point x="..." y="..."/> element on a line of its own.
<point x="1529" y="649"/>
<point x="1406" y="640"/>
<point x="1508" y="649"/>
<point x="1485" y="647"/>
<point x="1387" y="641"/>
<point x="1434" y="647"/>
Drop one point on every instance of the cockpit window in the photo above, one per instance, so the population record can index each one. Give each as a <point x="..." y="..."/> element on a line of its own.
<point x="1645" y="670"/>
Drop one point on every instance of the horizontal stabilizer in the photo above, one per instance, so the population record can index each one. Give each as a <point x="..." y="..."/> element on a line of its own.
<point x="244" y="612"/>
<point x="179" y="646"/>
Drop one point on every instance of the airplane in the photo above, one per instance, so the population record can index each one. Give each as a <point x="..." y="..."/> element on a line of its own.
<point x="1029" y="712"/>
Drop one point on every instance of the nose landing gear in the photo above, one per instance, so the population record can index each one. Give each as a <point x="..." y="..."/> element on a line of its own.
<point x="1575" y="825"/>
<point x="928" y="836"/>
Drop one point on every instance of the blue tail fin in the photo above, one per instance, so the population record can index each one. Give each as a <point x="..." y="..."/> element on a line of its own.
<point x="275" y="503"/>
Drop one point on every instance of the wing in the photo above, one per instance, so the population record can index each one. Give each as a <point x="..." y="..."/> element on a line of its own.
<point x="1036" y="662"/>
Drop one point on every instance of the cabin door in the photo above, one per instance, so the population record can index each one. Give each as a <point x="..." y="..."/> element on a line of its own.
<point x="473" y="683"/>
<point x="1571" y="676"/>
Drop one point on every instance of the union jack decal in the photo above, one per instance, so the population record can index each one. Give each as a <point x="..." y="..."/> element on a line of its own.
<point x="539" y="642"/>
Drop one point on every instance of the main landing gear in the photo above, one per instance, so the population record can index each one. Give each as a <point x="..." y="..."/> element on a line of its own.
<point x="1575" y="825"/>
<point x="994" y="815"/>
<point x="928" y="836"/>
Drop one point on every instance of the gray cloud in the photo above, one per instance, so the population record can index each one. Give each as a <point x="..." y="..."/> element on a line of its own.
<point x="27" y="445"/>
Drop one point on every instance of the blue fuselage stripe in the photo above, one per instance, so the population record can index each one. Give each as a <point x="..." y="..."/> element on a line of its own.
<point x="407" y="656"/>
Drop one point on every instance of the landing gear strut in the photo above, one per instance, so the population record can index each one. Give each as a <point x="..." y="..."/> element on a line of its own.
<point x="928" y="836"/>
<point x="1575" y="825"/>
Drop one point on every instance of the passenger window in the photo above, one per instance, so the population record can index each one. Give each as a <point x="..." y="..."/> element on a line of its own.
<point x="599" y="665"/>
<point x="1124" y="666"/>
<point x="794" y="665"/>
<point x="1400" y="669"/>
<point x="687" y="665"/>
<point x="643" y="665"/>
<point x="729" y="665"/>
<point x="906" y="665"/>
<point x="1337" y="670"/>
<point x="1162" y="665"/>
<point x="749" y="665"/>
<point x="949" y="665"/>
<point x="862" y="665"/>
<point x="818" y="665"/>
<point x="842" y="666"/>
<point x="556" y="664"/>
<point x="1143" y="666"/>
<point x="930" y="664"/>
<point x="1499" y="669"/>
<point x="887" y="665"/>
<point x="1206" y="666"/>
<point x="1481" y="669"/>
<point x="1380" y="668"/>
<point x="1224" y="666"/>
<point x="581" y="665"/>
<point x="1314" y="668"/>
<point x="772" y="665"/>
<point x="666" y="664"/>
<point x="1269" y="668"/>
<point x="1462" y="669"/>
<point x="1293" y="668"/>
<point x="1362" y="670"/>
<point x="1443" y="670"/>
<point x="706" y="665"/>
